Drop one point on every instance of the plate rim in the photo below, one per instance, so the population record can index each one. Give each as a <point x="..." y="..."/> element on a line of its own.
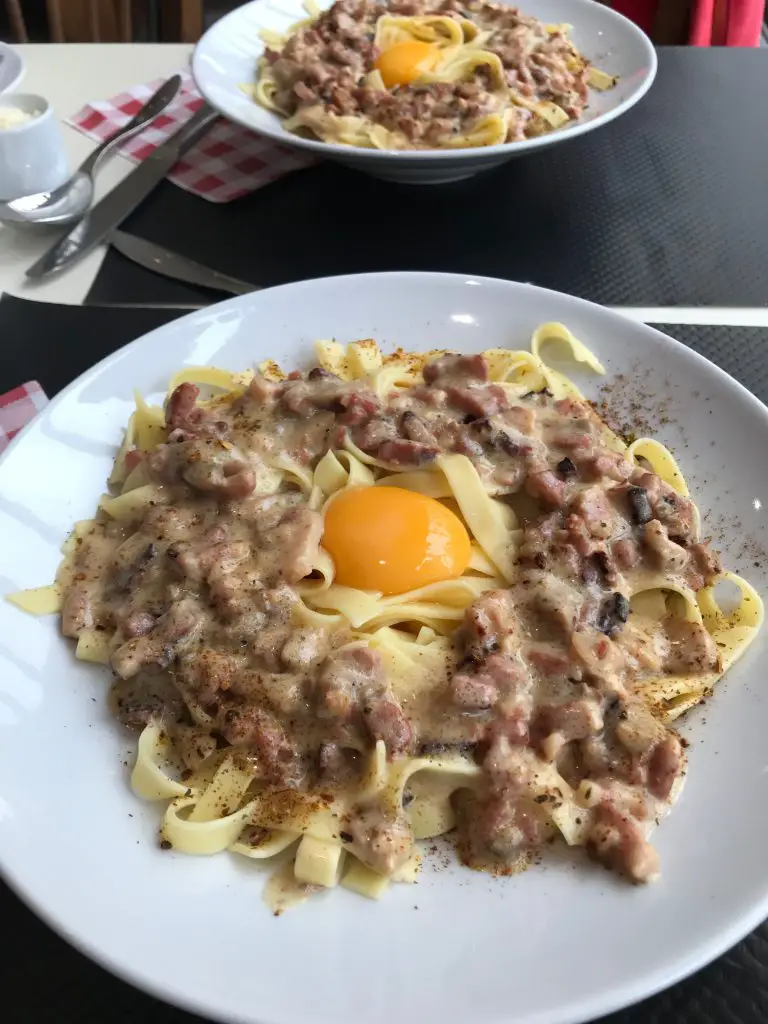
<point x="640" y="988"/>
<point x="570" y="131"/>
<point x="8" y="49"/>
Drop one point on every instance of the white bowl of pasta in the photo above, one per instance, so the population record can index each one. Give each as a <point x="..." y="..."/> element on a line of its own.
<point x="348" y="611"/>
<point x="423" y="91"/>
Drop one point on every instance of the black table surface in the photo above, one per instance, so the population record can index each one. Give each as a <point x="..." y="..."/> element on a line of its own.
<point x="54" y="344"/>
<point x="664" y="206"/>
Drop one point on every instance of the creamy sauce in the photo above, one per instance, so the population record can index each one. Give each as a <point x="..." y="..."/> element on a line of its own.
<point x="197" y="590"/>
<point x="323" y="70"/>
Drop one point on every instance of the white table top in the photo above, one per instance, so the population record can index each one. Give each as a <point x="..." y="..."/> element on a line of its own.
<point x="70" y="75"/>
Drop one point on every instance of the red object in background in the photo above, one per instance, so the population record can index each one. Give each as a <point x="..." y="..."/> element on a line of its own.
<point x="642" y="12"/>
<point x="713" y="22"/>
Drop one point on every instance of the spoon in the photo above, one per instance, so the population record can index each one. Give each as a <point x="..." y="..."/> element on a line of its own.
<point x="70" y="201"/>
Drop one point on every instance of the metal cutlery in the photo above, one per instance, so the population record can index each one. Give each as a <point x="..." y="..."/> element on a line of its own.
<point x="174" y="265"/>
<point x="112" y="210"/>
<point x="72" y="199"/>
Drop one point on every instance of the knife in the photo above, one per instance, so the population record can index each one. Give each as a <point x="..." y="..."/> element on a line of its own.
<point x="123" y="199"/>
<point x="174" y="265"/>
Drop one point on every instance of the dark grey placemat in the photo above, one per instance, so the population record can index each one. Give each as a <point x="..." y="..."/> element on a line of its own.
<point x="57" y="982"/>
<point x="664" y="206"/>
<point x="53" y="344"/>
<point x="740" y="351"/>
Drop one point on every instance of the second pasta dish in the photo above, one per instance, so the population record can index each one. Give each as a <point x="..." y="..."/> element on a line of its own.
<point x="395" y="597"/>
<point x="424" y="74"/>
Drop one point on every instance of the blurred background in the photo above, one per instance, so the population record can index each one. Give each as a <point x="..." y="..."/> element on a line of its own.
<point x="61" y="21"/>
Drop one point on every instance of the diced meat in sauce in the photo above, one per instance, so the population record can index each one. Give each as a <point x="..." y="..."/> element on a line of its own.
<point x="258" y="730"/>
<point x="617" y="840"/>
<point x="321" y="72"/>
<point x="172" y="631"/>
<point x="206" y="596"/>
<point x="384" y="720"/>
<point x="381" y="841"/>
<point x="453" y="370"/>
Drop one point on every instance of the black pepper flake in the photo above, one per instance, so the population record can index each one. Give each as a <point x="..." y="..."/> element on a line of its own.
<point x="505" y="442"/>
<point x="566" y="468"/>
<point x="165" y="845"/>
<point x="613" y="614"/>
<point x="346" y="837"/>
<point x="541" y="798"/>
<point x="639" y="505"/>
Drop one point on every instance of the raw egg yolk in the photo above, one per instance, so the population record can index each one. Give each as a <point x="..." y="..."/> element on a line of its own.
<point x="392" y="540"/>
<point x="401" y="64"/>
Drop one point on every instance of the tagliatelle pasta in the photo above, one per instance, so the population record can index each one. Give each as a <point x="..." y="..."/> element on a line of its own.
<point x="416" y="74"/>
<point x="498" y="645"/>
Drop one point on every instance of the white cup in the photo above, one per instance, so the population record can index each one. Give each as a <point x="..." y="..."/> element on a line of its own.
<point x="32" y="156"/>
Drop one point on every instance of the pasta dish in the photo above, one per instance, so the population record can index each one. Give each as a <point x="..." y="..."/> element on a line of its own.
<point x="424" y="74"/>
<point x="394" y="597"/>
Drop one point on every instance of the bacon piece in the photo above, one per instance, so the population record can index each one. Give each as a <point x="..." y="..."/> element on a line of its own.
<point x="407" y="453"/>
<point x="665" y="552"/>
<point x="665" y="766"/>
<point x="707" y="561"/>
<point x="205" y="464"/>
<point x="595" y="509"/>
<point x="182" y="412"/>
<point x="358" y="407"/>
<point x="549" y="659"/>
<point x="245" y="725"/>
<point x="138" y="624"/>
<point x="616" y="839"/>
<point x="626" y="553"/>
<point x="558" y="724"/>
<point x="571" y="439"/>
<point x="383" y="843"/>
<point x="207" y="672"/>
<point x="374" y="433"/>
<point x="133" y="458"/>
<point x="452" y="369"/>
<point x="172" y="631"/>
<point x="692" y="648"/>
<point x="602" y="658"/>
<point x="196" y="560"/>
<point x="473" y="691"/>
<point x="520" y="417"/>
<point x="546" y="486"/>
<point x="478" y="401"/>
<point x="478" y="689"/>
<point x="606" y="464"/>
<point x="265" y="392"/>
<point x="490" y="623"/>
<point x="385" y="721"/>
<point x="415" y="429"/>
<point x="349" y="678"/>
<point x="572" y="407"/>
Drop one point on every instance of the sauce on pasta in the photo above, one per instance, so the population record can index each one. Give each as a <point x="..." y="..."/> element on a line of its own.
<point x="424" y="74"/>
<point x="523" y="606"/>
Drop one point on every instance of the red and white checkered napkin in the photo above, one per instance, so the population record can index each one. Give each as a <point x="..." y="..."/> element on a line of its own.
<point x="17" y="408"/>
<point x="229" y="162"/>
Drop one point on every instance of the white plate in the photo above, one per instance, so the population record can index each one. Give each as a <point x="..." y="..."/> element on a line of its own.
<point x="12" y="68"/>
<point x="226" y="56"/>
<point x="559" y="944"/>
